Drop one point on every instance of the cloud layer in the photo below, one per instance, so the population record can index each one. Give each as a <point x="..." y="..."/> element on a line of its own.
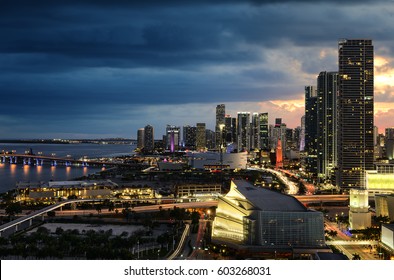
<point x="106" y="68"/>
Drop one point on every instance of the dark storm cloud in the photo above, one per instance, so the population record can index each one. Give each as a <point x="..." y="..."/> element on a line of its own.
<point x="78" y="59"/>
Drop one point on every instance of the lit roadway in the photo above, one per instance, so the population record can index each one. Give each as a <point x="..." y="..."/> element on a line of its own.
<point x="13" y="225"/>
<point x="344" y="243"/>
<point x="292" y="188"/>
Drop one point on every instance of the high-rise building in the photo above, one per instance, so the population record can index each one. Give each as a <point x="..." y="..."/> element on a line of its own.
<point x="140" y="138"/>
<point x="389" y="142"/>
<point x="243" y="131"/>
<point x="149" y="138"/>
<point x="228" y="129"/>
<point x="255" y="132"/>
<point x="201" y="138"/>
<point x="172" y="138"/>
<point x="189" y="137"/>
<point x="210" y="139"/>
<point x="311" y="129"/>
<point x="264" y="135"/>
<point x="302" y="134"/>
<point x="327" y="89"/>
<point x="220" y="124"/>
<point x="355" y="111"/>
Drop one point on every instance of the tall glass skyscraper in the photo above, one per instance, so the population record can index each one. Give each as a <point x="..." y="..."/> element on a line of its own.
<point x="355" y="111"/>
<point x="311" y="128"/>
<point x="243" y="131"/>
<point x="264" y="135"/>
<point x="327" y="89"/>
<point x="220" y="124"/>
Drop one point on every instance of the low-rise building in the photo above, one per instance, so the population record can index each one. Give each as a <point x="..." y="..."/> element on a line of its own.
<point x="63" y="189"/>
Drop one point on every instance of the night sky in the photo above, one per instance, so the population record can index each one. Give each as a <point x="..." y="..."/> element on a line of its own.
<point x="97" y="69"/>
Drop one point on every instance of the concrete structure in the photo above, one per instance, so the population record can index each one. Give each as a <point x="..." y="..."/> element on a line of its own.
<point x="140" y="138"/>
<point x="197" y="190"/>
<point x="209" y="160"/>
<point x="355" y="111"/>
<point x="359" y="215"/>
<point x="171" y="166"/>
<point x="384" y="205"/>
<point x="388" y="235"/>
<point x="252" y="218"/>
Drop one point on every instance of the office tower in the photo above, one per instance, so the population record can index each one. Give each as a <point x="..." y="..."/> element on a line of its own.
<point x="389" y="142"/>
<point x="234" y="130"/>
<point x="264" y="136"/>
<point x="149" y="138"/>
<point x="327" y="89"/>
<point x="201" y="138"/>
<point x="355" y="111"/>
<point x="189" y="137"/>
<point x="220" y="124"/>
<point x="210" y="139"/>
<point x="297" y="138"/>
<point x="243" y="131"/>
<point x="140" y="138"/>
<point x="302" y="134"/>
<point x="255" y="132"/>
<point x="172" y="138"/>
<point x="311" y="129"/>
<point x="278" y="122"/>
<point x="229" y="138"/>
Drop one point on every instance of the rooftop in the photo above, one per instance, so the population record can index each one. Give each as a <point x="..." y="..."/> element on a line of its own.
<point x="266" y="200"/>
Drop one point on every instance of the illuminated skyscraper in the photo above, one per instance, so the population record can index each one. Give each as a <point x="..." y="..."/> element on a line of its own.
<point x="327" y="90"/>
<point x="255" y="132"/>
<point x="149" y="139"/>
<point x="355" y="111"/>
<point x="264" y="135"/>
<point x="189" y="136"/>
<point x="172" y="137"/>
<point x="311" y="129"/>
<point x="201" y="138"/>
<point x="243" y="131"/>
<point x="220" y="124"/>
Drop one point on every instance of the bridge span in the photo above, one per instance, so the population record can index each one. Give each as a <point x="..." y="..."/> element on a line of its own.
<point x="28" y="159"/>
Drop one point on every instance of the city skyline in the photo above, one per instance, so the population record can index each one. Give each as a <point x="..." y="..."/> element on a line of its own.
<point x="90" y="69"/>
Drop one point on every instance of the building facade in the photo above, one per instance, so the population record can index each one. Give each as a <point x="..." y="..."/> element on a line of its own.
<point x="355" y="111"/>
<point x="327" y="89"/>
<point x="243" y="131"/>
<point x="220" y="124"/>
<point x="201" y="140"/>
<point x="311" y="129"/>
<point x="257" y="217"/>
<point x="149" y="138"/>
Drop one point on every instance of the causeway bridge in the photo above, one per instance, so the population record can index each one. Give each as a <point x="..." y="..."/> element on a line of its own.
<point x="38" y="160"/>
